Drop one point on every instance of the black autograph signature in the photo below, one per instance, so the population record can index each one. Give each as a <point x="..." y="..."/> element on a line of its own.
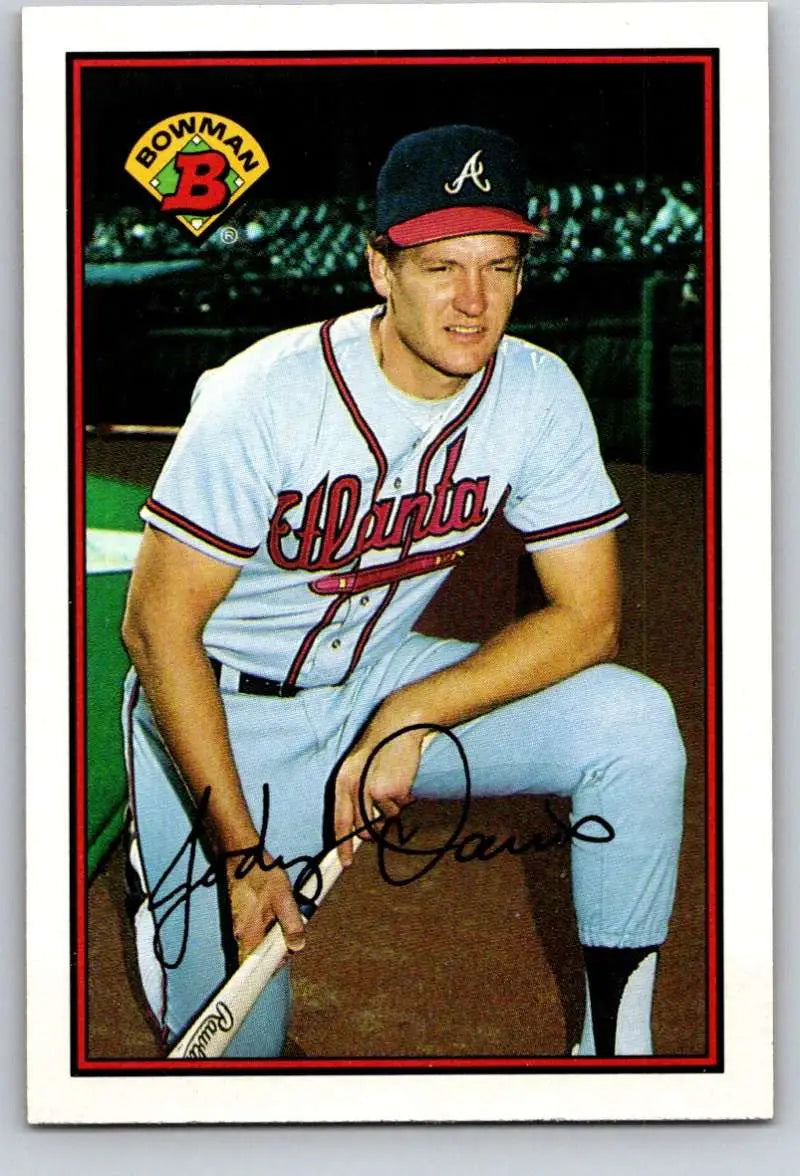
<point x="391" y="835"/>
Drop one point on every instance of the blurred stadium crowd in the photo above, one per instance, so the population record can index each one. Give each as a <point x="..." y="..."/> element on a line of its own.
<point x="615" y="289"/>
<point x="649" y="222"/>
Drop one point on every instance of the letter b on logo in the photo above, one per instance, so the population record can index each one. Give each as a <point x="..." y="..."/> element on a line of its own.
<point x="201" y="187"/>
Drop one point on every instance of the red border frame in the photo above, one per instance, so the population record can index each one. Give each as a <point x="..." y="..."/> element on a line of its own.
<point x="712" y="1059"/>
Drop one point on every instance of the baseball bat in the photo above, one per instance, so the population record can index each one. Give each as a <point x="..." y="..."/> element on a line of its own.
<point x="212" y="1029"/>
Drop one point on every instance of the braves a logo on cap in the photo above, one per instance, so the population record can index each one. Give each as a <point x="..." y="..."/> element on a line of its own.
<point x="197" y="165"/>
<point x="473" y="170"/>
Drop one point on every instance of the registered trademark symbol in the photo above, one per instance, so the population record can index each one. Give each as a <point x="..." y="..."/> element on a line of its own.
<point x="229" y="235"/>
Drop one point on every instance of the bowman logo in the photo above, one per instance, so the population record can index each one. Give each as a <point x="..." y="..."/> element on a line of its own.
<point x="196" y="165"/>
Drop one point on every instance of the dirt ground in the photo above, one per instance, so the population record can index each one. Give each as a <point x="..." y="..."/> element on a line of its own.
<point x="481" y="959"/>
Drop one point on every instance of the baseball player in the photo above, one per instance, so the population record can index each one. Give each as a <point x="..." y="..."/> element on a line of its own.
<point x="323" y="486"/>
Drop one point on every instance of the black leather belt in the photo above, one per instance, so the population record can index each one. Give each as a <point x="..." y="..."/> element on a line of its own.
<point x="252" y="684"/>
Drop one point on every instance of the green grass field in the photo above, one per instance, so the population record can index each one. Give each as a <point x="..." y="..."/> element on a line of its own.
<point x="115" y="506"/>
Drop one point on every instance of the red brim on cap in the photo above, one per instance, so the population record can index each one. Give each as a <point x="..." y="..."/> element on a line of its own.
<point x="459" y="222"/>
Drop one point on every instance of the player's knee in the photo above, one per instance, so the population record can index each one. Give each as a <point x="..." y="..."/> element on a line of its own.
<point x="635" y="719"/>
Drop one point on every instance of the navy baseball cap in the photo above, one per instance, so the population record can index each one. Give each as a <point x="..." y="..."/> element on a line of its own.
<point x="449" y="182"/>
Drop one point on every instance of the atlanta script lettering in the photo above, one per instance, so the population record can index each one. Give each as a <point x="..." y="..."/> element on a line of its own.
<point x="331" y="536"/>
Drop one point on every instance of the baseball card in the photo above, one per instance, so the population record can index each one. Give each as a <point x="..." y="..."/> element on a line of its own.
<point x="397" y="408"/>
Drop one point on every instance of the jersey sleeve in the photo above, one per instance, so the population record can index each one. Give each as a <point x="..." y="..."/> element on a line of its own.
<point x="215" y="492"/>
<point x="563" y="492"/>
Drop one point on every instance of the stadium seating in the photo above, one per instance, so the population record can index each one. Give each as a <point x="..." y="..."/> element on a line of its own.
<point x="646" y="223"/>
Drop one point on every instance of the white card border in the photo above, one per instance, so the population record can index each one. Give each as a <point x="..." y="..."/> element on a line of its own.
<point x="744" y="1089"/>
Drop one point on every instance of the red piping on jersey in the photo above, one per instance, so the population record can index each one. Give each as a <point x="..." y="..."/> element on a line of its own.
<point x="451" y="426"/>
<point x="573" y="528"/>
<point x="383" y="467"/>
<point x="366" y="632"/>
<point x="160" y="1022"/>
<point x="422" y="475"/>
<point x="380" y="461"/>
<point x="191" y="528"/>
<point x="129" y="757"/>
<point x="352" y="407"/>
<point x="388" y="573"/>
<point x="310" y="638"/>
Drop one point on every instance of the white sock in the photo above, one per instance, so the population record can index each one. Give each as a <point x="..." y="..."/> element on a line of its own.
<point x="586" y="1047"/>
<point x="633" y="1035"/>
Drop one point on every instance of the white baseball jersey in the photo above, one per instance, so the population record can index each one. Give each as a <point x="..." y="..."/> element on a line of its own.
<point x="346" y="503"/>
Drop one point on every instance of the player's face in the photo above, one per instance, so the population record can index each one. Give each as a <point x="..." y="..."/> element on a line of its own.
<point x="448" y="304"/>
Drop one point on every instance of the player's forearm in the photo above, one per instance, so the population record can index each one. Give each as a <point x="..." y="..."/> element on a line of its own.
<point x="182" y="692"/>
<point x="528" y="655"/>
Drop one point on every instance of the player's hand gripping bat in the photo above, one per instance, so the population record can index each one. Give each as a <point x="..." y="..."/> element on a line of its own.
<point x="212" y="1029"/>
